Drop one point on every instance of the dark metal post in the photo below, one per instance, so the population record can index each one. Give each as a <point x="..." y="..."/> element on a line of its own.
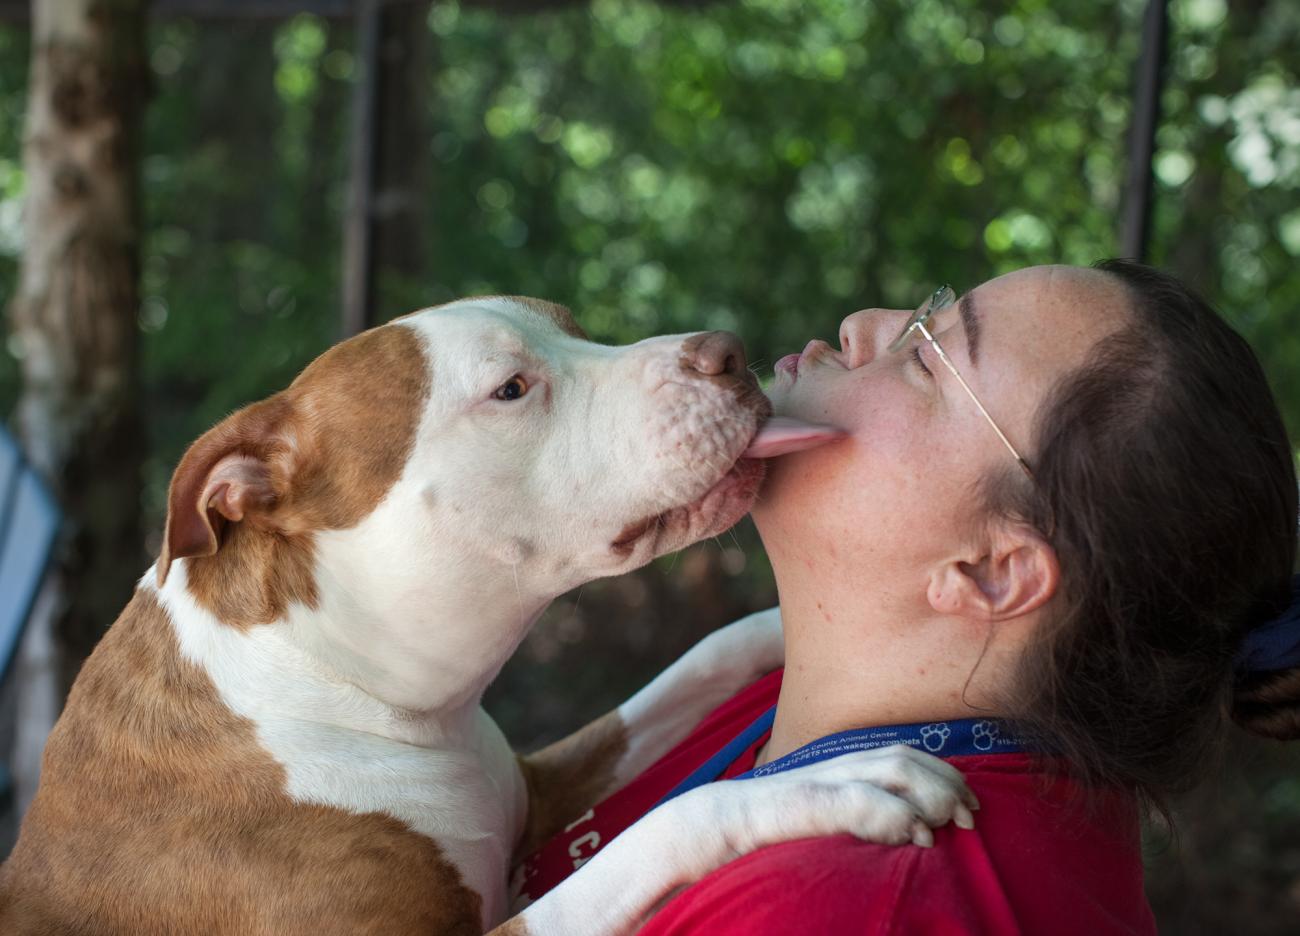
<point x="20" y="10"/>
<point x="1142" y="132"/>
<point x="358" y="229"/>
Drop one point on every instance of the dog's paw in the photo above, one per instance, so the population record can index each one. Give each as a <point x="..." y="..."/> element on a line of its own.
<point x="890" y="796"/>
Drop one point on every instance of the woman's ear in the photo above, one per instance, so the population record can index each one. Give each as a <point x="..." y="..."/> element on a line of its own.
<point x="1015" y="572"/>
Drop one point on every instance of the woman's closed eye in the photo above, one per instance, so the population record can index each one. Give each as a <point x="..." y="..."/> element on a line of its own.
<point x="920" y="362"/>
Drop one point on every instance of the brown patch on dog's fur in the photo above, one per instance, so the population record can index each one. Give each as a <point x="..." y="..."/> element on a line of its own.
<point x="330" y="446"/>
<point x="623" y="544"/>
<point x="515" y="926"/>
<point x="255" y="577"/>
<point x="570" y="776"/>
<point x="359" y="404"/>
<point x="158" y="813"/>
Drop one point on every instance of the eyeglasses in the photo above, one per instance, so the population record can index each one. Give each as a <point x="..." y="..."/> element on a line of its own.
<point x="937" y="314"/>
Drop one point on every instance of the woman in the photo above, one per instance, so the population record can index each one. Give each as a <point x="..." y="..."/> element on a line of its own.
<point x="1063" y="521"/>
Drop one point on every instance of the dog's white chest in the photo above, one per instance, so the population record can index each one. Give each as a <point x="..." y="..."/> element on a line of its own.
<point x="470" y="801"/>
<point x="453" y="780"/>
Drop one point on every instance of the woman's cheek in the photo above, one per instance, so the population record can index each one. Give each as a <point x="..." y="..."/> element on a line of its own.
<point x="885" y="429"/>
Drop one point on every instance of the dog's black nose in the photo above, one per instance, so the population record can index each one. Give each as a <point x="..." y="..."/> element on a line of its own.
<point x="714" y="354"/>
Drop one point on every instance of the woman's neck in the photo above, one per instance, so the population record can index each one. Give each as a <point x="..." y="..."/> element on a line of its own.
<point x="851" y="664"/>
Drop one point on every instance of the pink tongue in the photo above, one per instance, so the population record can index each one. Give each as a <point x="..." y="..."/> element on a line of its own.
<point x="782" y="435"/>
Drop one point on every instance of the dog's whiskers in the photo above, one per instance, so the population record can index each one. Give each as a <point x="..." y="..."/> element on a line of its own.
<point x="519" y="595"/>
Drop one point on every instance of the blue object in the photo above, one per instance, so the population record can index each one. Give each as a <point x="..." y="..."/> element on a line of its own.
<point x="712" y="768"/>
<point x="957" y="738"/>
<point x="29" y="526"/>
<point x="10" y="461"/>
<point x="1274" y="645"/>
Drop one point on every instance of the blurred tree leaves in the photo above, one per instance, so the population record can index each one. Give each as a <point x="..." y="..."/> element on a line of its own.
<point x="13" y="99"/>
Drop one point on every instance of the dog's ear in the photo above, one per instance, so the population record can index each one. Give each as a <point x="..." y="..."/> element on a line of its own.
<point x="236" y="470"/>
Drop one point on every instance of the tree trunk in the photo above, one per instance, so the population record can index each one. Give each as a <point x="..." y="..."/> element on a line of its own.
<point x="384" y="232"/>
<point x="236" y="65"/>
<point x="402" y="146"/>
<point x="74" y="311"/>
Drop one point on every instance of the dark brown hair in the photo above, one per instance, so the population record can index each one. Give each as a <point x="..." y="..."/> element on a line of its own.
<point x="1165" y="481"/>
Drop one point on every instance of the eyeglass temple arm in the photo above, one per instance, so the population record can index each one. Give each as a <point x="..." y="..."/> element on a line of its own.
<point x="943" y="356"/>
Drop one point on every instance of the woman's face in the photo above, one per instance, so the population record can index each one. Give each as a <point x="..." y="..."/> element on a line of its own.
<point x="899" y="492"/>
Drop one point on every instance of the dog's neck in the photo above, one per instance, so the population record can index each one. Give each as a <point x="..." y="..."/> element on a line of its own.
<point x="411" y="667"/>
<point x="433" y="653"/>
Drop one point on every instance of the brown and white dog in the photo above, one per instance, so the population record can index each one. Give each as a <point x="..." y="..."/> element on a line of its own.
<point x="282" y="733"/>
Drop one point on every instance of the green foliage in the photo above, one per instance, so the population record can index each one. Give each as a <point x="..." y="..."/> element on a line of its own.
<point x="13" y="81"/>
<point x="769" y="166"/>
<point x="241" y="256"/>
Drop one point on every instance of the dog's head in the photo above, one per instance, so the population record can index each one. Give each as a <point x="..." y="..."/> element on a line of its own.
<point x="487" y="433"/>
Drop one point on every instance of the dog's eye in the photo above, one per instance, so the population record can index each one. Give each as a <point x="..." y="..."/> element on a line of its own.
<point x="512" y="389"/>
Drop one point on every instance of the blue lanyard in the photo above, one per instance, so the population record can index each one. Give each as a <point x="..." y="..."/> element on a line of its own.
<point x="958" y="738"/>
<point x="712" y="768"/>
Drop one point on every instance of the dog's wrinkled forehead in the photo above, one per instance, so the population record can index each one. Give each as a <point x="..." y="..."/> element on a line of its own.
<point x="558" y="314"/>
<point x="550" y="313"/>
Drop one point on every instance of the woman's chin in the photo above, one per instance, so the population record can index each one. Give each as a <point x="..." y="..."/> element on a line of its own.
<point x="798" y="489"/>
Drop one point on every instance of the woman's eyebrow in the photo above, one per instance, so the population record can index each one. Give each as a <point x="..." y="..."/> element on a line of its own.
<point x="970" y="321"/>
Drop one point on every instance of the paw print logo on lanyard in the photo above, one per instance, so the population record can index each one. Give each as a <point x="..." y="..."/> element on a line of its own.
<point x="985" y="733"/>
<point x="934" y="736"/>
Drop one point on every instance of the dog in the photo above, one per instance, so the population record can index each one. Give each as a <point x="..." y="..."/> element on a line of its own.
<point x="282" y="734"/>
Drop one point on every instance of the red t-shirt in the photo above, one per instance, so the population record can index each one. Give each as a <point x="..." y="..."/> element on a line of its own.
<point x="1041" y="858"/>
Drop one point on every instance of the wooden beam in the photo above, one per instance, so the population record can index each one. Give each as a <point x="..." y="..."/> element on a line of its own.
<point x="20" y="10"/>
<point x="359" y="223"/>
<point x="251" y="9"/>
<point x="1135" y="235"/>
<point x="402" y="215"/>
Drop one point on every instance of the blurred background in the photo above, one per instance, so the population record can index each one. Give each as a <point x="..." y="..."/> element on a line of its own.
<point x="213" y="191"/>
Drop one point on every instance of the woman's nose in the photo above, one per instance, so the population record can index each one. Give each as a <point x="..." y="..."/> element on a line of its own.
<point x="865" y="333"/>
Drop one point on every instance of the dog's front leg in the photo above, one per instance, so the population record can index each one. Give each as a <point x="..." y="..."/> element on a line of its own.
<point x="573" y="774"/>
<point x="889" y="796"/>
